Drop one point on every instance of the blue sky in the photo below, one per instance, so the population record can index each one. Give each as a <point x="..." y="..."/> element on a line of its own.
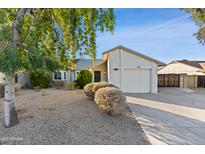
<point x="164" y="34"/>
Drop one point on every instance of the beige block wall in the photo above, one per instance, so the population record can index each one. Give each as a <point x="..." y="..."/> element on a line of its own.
<point x="188" y="81"/>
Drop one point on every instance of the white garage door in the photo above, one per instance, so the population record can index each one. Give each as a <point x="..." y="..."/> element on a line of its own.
<point x="136" y="80"/>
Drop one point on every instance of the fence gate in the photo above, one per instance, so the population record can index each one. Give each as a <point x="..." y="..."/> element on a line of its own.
<point x="168" y="80"/>
<point x="201" y="81"/>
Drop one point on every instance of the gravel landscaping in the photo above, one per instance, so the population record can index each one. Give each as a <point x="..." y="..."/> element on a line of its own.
<point x="56" y="116"/>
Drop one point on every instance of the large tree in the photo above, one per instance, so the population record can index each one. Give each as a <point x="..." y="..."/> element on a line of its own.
<point x="28" y="36"/>
<point x="198" y="15"/>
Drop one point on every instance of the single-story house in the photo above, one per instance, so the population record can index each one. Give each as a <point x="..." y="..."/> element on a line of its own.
<point x="71" y="75"/>
<point x="68" y="75"/>
<point x="183" y="74"/>
<point x="131" y="71"/>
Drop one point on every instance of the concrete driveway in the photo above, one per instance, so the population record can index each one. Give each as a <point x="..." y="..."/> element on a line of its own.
<point x="173" y="116"/>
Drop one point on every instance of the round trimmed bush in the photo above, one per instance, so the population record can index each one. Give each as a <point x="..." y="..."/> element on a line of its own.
<point x="84" y="77"/>
<point x="40" y="78"/>
<point x="88" y="90"/>
<point x="102" y="85"/>
<point x="110" y="100"/>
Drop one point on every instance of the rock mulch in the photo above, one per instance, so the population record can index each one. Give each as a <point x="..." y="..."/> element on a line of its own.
<point x="56" y="116"/>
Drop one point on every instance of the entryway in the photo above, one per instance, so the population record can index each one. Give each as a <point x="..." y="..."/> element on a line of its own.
<point x="97" y="76"/>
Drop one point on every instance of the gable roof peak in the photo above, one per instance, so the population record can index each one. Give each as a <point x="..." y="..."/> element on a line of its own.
<point x="135" y="53"/>
<point x="193" y="63"/>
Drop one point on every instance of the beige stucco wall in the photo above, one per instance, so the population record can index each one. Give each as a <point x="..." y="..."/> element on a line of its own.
<point x="142" y="72"/>
<point x="178" y="68"/>
<point x="103" y="68"/>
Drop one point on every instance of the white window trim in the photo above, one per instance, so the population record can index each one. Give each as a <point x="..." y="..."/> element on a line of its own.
<point x="62" y="76"/>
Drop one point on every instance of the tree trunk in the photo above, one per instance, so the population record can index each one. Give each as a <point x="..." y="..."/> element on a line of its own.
<point x="11" y="117"/>
<point x="17" y="27"/>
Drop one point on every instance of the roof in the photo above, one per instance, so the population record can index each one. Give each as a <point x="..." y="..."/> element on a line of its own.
<point x="197" y="64"/>
<point x="135" y="53"/>
<point x="85" y="63"/>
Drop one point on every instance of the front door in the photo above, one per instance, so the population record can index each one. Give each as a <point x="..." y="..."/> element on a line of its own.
<point x="97" y="76"/>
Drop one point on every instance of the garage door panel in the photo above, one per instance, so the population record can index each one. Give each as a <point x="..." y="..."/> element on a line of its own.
<point x="136" y="81"/>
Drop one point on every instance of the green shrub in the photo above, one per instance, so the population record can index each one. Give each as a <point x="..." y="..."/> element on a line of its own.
<point x="70" y="85"/>
<point x="37" y="89"/>
<point x="84" y="77"/>
<point x="40" y="78"/>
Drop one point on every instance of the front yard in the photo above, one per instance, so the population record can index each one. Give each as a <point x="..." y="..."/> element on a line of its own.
<point x="56" y="116"/>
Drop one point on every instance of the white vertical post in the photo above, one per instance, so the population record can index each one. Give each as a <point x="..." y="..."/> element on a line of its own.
<point x="154" y="78"/>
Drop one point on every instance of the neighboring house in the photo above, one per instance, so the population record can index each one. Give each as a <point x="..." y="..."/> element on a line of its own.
<point x="131" y="71"/>
<point x="183" y="74"/>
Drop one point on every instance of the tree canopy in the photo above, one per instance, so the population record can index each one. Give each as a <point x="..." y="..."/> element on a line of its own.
<point x="198" y="15"/>
<point x="49" y="36"/>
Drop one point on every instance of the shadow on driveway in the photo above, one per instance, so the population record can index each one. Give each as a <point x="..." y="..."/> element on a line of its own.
<point x="167" y="120"/>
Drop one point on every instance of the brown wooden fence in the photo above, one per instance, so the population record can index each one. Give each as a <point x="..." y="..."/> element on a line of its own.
<point x="201" y="81"/>
<point x="168" y="80"/>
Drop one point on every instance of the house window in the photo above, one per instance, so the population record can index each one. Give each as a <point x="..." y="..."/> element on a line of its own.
<point x="57" y="76"/>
